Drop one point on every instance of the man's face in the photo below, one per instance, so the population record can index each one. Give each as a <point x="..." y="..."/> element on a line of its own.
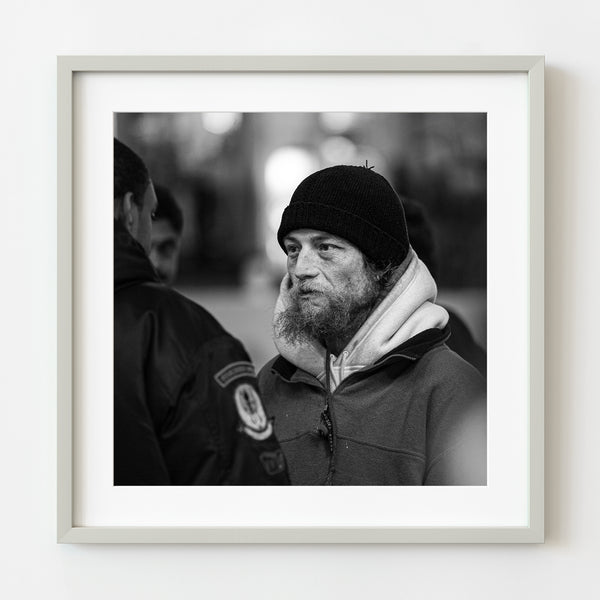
<point x="141" y="223"/>
<point x="164" y="252"/>
<point x="331" y="291"/>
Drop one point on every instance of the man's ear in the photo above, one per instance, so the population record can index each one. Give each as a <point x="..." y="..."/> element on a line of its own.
<point x="128" y="211"/>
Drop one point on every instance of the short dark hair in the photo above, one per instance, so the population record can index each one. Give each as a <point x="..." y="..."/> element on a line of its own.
<point x="131" y="175"/>
<point x="168" y="208"/>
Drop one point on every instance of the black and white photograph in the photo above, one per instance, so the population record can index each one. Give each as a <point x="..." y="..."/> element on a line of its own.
<point x="334" y="335"/>
<point x="300" y="298"/>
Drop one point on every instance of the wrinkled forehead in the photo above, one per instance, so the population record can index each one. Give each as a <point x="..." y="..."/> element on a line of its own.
<point x="314" y="235"/>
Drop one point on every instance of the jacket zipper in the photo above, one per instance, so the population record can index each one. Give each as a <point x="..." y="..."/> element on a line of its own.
<point x="330" y="422"/>
<point x="328" y="414"/>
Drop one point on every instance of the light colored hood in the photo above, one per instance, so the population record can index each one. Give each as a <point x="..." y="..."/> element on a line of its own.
<point x="407" y="310"/>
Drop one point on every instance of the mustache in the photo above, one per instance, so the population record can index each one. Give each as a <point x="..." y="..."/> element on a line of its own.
<point x="305" y="288"/>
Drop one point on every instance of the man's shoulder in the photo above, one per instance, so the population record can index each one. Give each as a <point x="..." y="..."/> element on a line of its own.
<point x="173" y="311"/>
<point x="177" y="307"/>
<point x="266" y="372"/>
<point x="277" y="371"/>
<point x="444" y="365"/>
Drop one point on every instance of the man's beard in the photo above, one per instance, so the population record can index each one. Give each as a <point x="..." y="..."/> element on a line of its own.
<point x="339" y="318"/>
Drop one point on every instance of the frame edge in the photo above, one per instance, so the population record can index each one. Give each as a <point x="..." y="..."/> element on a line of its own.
<point x="67" y="66"/>
<point x="301" y="63"/>
<point x="536" y="299"/>
<point x="298" y="535"/>
<point x="64" y="299"/>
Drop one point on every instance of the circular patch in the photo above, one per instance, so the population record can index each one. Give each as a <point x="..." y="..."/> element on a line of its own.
<point x="251" y="412"/>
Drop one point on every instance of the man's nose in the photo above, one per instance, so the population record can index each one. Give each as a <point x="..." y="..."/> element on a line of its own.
<point x="305" y="266"/>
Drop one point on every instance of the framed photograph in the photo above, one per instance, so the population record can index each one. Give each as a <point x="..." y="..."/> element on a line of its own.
<point x="365" y="233"/>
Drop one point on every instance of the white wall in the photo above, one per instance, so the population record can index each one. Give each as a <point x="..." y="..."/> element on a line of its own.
<point x="32" y="565"/>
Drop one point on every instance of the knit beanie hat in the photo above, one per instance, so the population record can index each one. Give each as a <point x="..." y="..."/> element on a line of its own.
<point x="354" y="203"/>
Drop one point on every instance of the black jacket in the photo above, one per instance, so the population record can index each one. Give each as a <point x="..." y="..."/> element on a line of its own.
<point x="186" y="406"/>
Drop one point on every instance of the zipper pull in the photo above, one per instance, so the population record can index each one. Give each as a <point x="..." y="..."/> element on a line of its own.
<point x="328" y="433"/>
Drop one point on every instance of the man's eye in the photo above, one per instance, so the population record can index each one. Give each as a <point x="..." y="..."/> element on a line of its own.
<point x="291" y="250"/>
<point x="153" y="216"/>
<point x="325" y="247"/>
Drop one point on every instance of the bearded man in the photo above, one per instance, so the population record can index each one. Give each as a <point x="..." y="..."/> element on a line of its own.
<point x="364" y="390"/>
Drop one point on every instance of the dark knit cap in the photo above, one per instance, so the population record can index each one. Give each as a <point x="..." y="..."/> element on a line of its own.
<point x="354" y="203"/>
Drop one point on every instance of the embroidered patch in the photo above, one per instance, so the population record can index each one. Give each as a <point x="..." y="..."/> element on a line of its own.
<point x="273" y="462"/>
<point x="251" y="412"/>
<point x="234" y="371"/>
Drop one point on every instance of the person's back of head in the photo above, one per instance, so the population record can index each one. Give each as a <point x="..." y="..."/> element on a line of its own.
<point x="134" y="198"/>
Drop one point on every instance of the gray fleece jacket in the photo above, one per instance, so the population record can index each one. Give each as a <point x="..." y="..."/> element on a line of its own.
<point x="396" y="407"/>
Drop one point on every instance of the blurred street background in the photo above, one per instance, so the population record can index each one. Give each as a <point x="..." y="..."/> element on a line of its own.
<point x="234" y="173"/>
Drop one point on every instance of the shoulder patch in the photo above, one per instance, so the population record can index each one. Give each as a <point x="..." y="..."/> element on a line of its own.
<point x="233" y="371"/>
<point x="251" y="412"/>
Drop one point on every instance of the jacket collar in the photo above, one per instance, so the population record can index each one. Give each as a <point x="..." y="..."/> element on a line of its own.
<point x="132" y="265"/>
<point x="404" y="355"/>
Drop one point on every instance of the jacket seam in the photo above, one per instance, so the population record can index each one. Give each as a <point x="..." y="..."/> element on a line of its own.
<point x="296" y="437"/>
<point x="441" y="455"/>
<point x="386" y="448"/>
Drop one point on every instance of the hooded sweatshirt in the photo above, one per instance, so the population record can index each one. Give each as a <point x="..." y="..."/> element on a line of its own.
<point x="396" y="407"/>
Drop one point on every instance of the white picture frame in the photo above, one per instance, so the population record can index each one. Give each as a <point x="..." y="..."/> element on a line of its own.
<point x="532" y="531"/>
